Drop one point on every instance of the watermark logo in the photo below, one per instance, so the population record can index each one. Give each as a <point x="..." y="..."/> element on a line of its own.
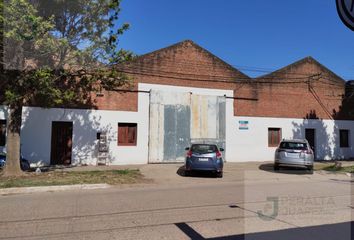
<point x="271" y="209"/>
<point x="346" y="12"/>
<point x="297" y="206"/>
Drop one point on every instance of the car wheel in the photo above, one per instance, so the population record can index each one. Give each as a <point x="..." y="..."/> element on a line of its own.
<point x="187" y="173"/>
<point x="276" y="167"/>
<point x="219" y="174"/>
<point x="25" y="166"/>
<point x="310" y="169"/>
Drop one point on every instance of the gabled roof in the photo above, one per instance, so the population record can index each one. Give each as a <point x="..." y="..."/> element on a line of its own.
<point x="289" y="69"/>
<point x="161" y="54"/>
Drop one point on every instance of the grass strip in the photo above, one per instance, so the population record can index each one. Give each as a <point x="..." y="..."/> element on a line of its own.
<point x="55" y="178"/>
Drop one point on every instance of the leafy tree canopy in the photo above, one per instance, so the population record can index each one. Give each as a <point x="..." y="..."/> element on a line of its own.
<point x="56" y="53"/>
<point x="61" y="50"/>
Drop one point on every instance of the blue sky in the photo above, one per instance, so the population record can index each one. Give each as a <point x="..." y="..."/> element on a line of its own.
<point x="267" y="34"/>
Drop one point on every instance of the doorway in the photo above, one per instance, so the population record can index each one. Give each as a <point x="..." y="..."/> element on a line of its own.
<point x="61" y="144"/>
<point x="310" y="135"/>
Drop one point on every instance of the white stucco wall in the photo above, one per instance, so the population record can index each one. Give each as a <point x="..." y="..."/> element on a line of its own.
<point x="241" y="145"/>
<point x="252" y="144"/>
<point x="37" y="124"/>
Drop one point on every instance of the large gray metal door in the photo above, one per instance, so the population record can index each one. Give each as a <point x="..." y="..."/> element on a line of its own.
<point x="177" y="132"/>
<point x="208" y="119"/>
<point x="177" y="119"/>
<point x="169" y="132"/>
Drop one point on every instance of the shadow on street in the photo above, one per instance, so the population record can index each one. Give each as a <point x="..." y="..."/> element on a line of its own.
<point x="340" y="231"/>
<point x="196" y="174"/>
<point x="268" y="167"/>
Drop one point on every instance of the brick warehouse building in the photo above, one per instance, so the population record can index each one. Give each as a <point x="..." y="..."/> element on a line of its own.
<point x="183" y="94"/>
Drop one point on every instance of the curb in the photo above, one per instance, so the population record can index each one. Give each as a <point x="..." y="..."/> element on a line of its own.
<point x="351" y="175"/>
<point x="26" y="190"/>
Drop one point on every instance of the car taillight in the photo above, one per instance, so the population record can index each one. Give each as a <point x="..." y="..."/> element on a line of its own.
<point x="218" y="154"/>
<point x="189" y="153"/>
<point x="307" y="151"/>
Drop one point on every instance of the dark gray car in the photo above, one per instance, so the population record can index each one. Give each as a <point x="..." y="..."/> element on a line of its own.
<point x="204" y="157"/>
<point x="294" y="153"/>
<point x="25" y="165"/>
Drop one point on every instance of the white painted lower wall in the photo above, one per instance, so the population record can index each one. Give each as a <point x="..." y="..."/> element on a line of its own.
<point x="37" y="125"/>
<point x="241" y="145"/>
<point x="252" y="144"/>
<point x="36" y="135"/>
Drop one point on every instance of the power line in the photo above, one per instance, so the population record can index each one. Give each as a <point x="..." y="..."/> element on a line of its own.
<point x="331" y="84"/>
<point x="332" y="80"/>
<point x="256" y="68"/>
<point x="289" y="93"/>
<point x="136" y="70"/>
<point x="243" y="83"/>
<point x="227" y="78"/>
<point x="332" y="98"/>
<point x="277" y="74"/>
<point x="149" y="68"/>
<point x="305" y="80"/>
<point x="246" y="68"/>
<point x="318" y="99"/>
<point x="231" y="81"/>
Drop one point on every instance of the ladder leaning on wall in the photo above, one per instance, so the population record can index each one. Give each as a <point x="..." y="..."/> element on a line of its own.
<point x="102" y="149"/>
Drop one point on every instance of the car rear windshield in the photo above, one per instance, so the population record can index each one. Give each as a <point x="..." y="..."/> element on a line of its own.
<point x="204" y="148"/>
<point x="293" y="145"/>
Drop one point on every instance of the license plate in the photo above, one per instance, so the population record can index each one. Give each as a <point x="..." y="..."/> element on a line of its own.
<point x="292" y="155"/>
<point x="203" y="159"/>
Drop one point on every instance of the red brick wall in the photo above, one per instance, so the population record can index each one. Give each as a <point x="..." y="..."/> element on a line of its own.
<point x="184" y="64"/>
<point x="122" y="101"/>
<point x="283" y="94"/>
<point x="293" y="100"/>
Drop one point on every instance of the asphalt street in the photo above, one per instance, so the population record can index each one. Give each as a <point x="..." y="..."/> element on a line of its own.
<point x="254" y="206"/>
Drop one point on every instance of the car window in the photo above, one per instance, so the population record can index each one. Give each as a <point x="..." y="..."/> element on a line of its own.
<point x="293" y="145"/>
<point x="203" y="148"/>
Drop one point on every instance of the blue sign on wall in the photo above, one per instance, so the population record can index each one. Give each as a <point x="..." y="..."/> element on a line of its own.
<point x="243" y="125"/>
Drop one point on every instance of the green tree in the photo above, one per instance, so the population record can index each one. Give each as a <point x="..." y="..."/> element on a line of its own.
<point x="56" y="53"/>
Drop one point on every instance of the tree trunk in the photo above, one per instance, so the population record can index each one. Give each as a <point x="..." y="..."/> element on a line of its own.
<point x="12" y="166"/>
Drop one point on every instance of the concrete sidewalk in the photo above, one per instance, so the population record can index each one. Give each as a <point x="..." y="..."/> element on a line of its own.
<point x="167" y="174"/>
<point x="172" y="175"/>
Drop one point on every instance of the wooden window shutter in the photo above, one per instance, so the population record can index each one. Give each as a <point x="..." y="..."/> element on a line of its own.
<point x="127" y="134"/>
<point x="274" y="137"/>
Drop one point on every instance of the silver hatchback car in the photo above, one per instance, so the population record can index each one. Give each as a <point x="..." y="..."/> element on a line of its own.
<point x="294" y="153"/>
